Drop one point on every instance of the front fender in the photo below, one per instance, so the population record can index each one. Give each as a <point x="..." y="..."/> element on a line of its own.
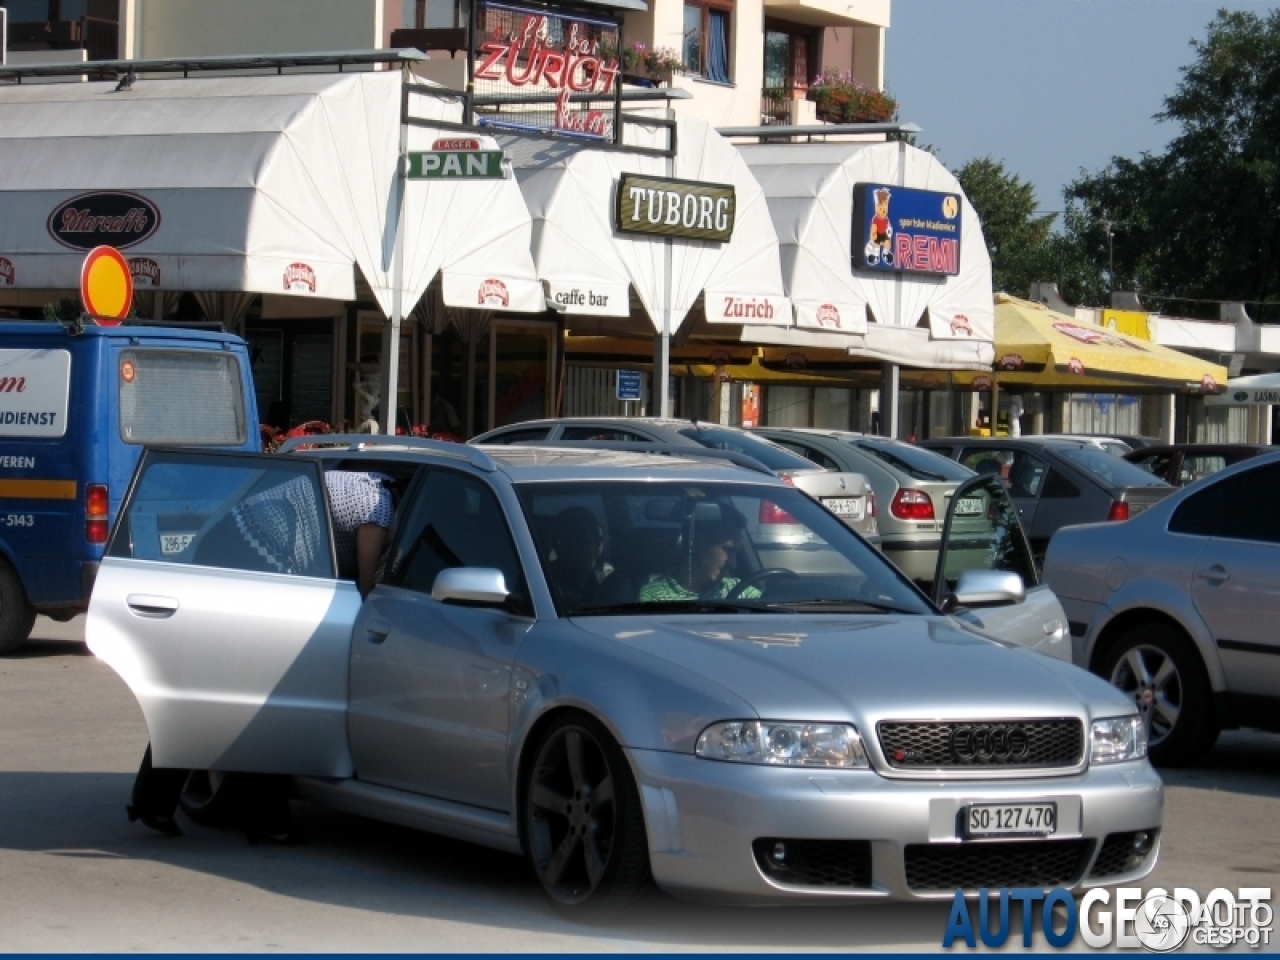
<point x="644" y="701"/>
<point x="1163" y="597"/>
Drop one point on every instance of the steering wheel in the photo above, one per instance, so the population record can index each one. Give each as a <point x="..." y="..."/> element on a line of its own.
<point x="759" y="577"/>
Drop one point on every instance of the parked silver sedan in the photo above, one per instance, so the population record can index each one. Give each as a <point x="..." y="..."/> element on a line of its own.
<point x="848" y="495"/>
<point x="585" y="656"/>
<point x="1178" y="607"/>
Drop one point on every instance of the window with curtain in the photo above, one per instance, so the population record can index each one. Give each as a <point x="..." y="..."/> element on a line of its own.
<point x="706" y="40"/>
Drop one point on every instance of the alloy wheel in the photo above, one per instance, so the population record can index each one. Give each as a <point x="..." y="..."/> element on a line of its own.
<point x="1150" y="678"/>
<point x="572" y="818"/>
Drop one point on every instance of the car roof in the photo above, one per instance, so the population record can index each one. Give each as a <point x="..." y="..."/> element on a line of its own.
<point x="1200" y="447"/>
<point x="1036" y="441"/>
<point x="526" y="464"/>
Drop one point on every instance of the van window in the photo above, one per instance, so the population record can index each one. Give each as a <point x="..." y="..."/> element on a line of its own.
<point x="191" y="397"/>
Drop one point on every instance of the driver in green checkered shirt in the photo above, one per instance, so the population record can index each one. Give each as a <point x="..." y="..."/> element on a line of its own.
<point x="701" y="573"/>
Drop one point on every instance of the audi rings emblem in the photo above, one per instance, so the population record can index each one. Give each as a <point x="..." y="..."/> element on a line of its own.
<point x="990" y="743"/>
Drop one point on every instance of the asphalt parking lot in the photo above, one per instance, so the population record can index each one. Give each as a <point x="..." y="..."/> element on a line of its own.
<point x="78" y="876"/>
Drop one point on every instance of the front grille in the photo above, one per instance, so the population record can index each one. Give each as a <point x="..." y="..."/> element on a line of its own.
<point x="1031" y="863"/>
<point x="980" y="743"/>
<point x="1118" y="854"/>
<point x="815" y="863"/>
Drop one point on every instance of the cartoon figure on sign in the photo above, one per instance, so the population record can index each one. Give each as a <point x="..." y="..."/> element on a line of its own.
<point x="880" y="246"/>
<point x="960" y="325"/>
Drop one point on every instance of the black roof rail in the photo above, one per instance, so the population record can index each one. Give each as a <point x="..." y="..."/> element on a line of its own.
<point x="666" y="449"/>
<point x="356" y="442"/>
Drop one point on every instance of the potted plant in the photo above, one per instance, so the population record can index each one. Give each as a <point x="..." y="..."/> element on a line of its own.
<point x="644" y="67"/>
<point x="842" y="99"/>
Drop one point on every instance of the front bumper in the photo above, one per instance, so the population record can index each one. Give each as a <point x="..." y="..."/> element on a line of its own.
<point x="703" y="817"/>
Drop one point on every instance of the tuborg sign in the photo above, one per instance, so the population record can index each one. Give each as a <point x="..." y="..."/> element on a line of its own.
<point x="676" y="208"/>
<point x="905" y="230"/>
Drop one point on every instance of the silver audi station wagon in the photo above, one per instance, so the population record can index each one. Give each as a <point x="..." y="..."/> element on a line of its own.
<point x="591" y="657"/>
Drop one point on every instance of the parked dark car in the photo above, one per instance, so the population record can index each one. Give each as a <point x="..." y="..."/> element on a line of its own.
<point x="1184" y="463"/>
<point x="1058" y="483"/>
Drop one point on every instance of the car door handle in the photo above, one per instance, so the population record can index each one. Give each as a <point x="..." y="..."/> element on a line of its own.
<point x="1215" y="574"/>
<point x="377" y="634"/>
<point x="151" y="606"/>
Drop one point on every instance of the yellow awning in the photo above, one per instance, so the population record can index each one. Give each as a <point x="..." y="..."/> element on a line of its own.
<point x="1038" y="348"/>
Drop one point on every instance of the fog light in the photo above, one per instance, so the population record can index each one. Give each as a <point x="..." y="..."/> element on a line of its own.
<point x="779" y="853"/>
<point x="1142" y="842"/>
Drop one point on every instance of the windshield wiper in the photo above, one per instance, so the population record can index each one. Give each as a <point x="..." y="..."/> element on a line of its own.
<point x="677" y="606"/>
<point x="832" y="605"/>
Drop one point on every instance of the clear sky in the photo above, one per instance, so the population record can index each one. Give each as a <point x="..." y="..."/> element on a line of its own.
<point x="1047" y="86"/>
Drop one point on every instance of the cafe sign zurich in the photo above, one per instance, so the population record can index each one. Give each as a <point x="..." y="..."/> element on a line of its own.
<point x="676" y="208"/>
<point x="103" y="218"/>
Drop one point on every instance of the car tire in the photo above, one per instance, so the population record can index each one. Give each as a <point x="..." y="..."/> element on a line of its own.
<point x="1161" y="670"/>
<point x="581" y="820"/>
<point x="211" y="799"/>
<point x="17" y="616"/>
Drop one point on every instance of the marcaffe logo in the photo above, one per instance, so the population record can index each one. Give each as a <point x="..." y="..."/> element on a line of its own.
<point x="112" y="219"/>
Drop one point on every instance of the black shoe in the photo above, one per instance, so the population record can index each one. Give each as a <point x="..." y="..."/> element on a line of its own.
<point x="165" y="825"/>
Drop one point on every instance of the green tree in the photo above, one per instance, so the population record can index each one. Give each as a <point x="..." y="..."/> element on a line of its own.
<point x="1200" y="219"/>
<point x="1017" y="238"/>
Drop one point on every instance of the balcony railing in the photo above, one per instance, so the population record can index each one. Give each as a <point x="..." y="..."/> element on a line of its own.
<point x="775" y="105"/>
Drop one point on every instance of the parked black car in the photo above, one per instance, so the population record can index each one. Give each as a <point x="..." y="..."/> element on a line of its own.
<point x="1184" y="463"/>
<point x="1057" y="483"/>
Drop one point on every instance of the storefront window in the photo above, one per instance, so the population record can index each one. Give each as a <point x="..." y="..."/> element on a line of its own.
<point x="368" y="371"/>
<point x="522" y="372"/>
<point x="292" y="364"/>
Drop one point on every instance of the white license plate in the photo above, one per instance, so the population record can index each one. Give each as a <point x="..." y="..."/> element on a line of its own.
<point x="969" y="507"/>
<point x="171" y="543"/>
<point x="1003" y="819"/>
<point x="850" y="507"/>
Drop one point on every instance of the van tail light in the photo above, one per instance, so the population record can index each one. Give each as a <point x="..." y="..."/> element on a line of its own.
<point x="1119" y="511"/>
<point x="911" y="505"/>
<point x="97" y="505"/>
<point x="772" y="513"/>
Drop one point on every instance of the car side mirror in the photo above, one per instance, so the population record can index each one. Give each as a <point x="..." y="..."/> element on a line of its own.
<point x="476" y="585"/>
<point x="985" y="588"/>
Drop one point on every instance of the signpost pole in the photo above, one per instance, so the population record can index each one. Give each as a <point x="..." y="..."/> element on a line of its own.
<point x="662" y="343"/>
<point x="389" y="386"/>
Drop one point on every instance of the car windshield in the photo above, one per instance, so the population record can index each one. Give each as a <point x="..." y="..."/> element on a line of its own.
<point x="770" y="454"/>
<point x="914" y="462"/>
<point x="636" y="548"/>
<point x="1109" y="470"/>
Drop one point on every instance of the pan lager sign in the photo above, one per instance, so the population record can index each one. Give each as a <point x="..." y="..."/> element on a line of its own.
<point x="676" y="208"/>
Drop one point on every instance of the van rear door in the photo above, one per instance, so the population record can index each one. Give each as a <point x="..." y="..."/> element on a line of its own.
<point x="218" y="604"/>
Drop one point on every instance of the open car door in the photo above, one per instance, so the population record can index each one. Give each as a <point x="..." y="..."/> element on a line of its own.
<point x="218" y="604"/>
<point x="982" y="532"/>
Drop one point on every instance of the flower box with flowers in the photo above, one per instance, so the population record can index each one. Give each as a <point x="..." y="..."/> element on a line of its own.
<point x="645" y="66"/>
<point x="841" y="99"/>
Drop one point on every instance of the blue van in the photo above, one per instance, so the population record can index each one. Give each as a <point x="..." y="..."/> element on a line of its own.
<point x="76" y="410"/>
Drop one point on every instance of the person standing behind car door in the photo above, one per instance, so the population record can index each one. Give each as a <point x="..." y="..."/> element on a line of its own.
<point x="361" y="506"/>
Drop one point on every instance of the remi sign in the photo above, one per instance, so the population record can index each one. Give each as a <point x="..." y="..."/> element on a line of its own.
<point x="903" y="230"/>
<point x="676" y="208"/>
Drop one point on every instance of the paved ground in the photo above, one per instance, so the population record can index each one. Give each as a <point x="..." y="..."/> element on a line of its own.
<point x="78" y="876"/>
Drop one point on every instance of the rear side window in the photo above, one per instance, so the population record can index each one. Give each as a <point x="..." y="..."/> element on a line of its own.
<point x="531" y="435"/>
<point x="1108" y="470"/>
<point x="257" y="513"/>
<point x="187" y="397"/>
<point x="1058" y="487"/>
<point x="769" y="454"/>
<point x="1241" y="507"/>
<point x="602" y="432"/>
<point x="915" y="462"/>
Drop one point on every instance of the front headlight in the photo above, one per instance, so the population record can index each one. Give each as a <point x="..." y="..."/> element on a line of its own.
<point x="783" y="743"/>
<point x="1116" y="739"/>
